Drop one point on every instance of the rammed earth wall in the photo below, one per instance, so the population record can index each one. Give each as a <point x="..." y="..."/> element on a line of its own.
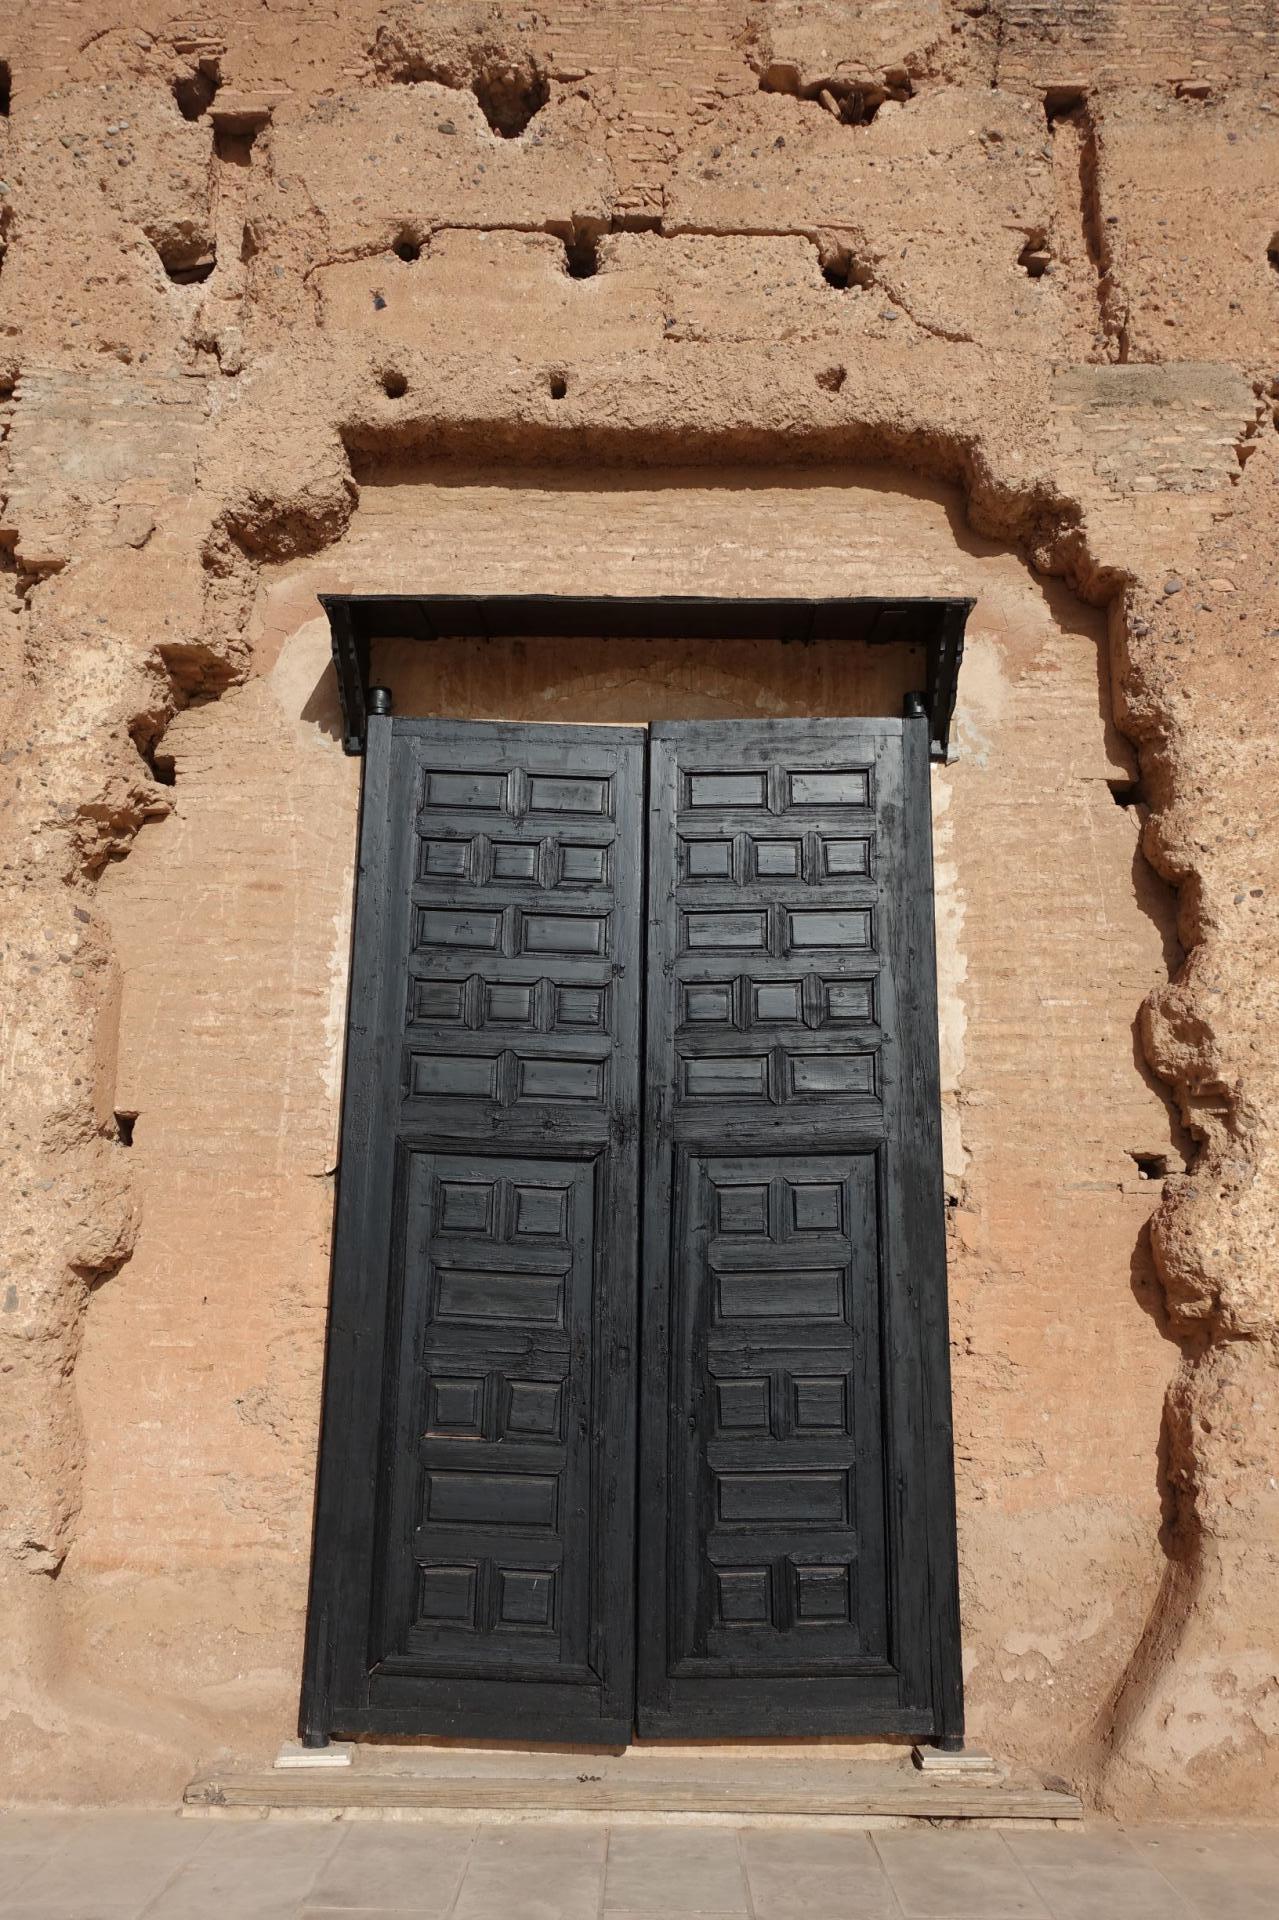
<point x="734" y="298"/>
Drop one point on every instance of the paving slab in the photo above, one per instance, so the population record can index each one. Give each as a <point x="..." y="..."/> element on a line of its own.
<point x="27" y="1841"/>
<point x="675" y="1870"/>
<point x="957" y="1876"/>
<point x="247" y="1870"/>
<point x="1219" y="1873"/>
<point x="804" y="1875"/>
<point x="396" y="1869"/>
<point x="535" y="1873"/>
<point x="110" y="1866"/>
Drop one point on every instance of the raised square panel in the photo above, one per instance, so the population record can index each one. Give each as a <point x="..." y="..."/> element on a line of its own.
<point x="458" y="927"/>
<point x="545" y="1079"/>
<point x="776" y="859"/>
<point x="441" y="1002"/>
<point x="804" y="1294"/>
<point x="466" y="1206"/>
<point x="508" y="1003"/>
<point x="814" y="1075"/>
<point x="514" y="861"/>
<point x="726" y="932"/>
<point x="816" y="1206"/>
<point x="849" y="1001"/>
<point x="483" y="792"/>
<point x="793" y="1499"/>
<point x="541" y="1212"/>
<point x="445" y="859"/>
<point x="446" y="1594"/>
<point x="510" y="1298"/>
<point x="454" y="1407"/>
<point x="821" y="1404"/>
<point x="742" y="1209"/>
<point x="742" y="1405"/>
<point x="707" y="1003"/>
<point x="551" y="794"/>
<point x="829" y="787"/>
<point x="744" y="1596"/>
<point x="711" y="790"/>
<point x="563" y="932"/>
<point x="707" y="859"/>
<point x="582" y="866"/>
<point x="726" y="1077"/>
<point x="526" y="1596"/>
<point x="533" y="1409"/>
<point x="491" y="1499"/>
<point x="821" y="1594"/>
<point x="777" y="1003"/>
<point x="844" y="859"/>
<point x="582" y="1007"/>
<point x="452" y="1076"/>
<point x="846" y="927"/>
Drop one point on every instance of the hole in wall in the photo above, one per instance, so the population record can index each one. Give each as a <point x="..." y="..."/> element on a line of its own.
<point x="558" y="384"/>
<point x="6" y="88"/>
<point x="1035" y="258"/>
<point x="509" y="96"/>
<point x="407" y="248"/>
<point x="1150" y="1166"/>
<point x="163" y="768"/>
<point x="195" y="91"/>
<point x="394" y="384"/>
<point x="1272" y="251"/>
<point x="183" y="268"/>
<point x="582" y="254"/>
<point x="1125" y="793"/>
<point x="1061" y="102"/>
<point x="233" y="146"/>
<point x="854" y="103"/>
<point x="842" y="270"/>
<point x="831" y="379"/>
<point x="124" y="1125"/>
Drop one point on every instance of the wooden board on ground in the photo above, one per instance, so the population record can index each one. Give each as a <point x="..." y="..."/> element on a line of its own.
<point x="890" y="1794"/>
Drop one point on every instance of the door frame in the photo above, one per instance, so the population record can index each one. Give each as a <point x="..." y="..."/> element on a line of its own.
<point x="352" y="1364"/>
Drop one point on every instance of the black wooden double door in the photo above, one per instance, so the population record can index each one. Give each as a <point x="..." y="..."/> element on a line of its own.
<point x="636" y="1407"/>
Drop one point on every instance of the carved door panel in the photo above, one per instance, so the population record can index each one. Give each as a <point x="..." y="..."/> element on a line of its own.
<point x="796" y="1535"/>
<point x="474" y="1537"/>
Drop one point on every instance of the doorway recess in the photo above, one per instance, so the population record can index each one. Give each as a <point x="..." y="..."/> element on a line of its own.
<point x="641" y="1116"/>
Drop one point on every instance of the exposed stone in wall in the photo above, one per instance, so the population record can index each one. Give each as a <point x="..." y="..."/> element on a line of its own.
<point x="950" y="283"/>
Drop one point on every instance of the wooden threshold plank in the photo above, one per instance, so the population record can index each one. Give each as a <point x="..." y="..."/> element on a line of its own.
<point x="933" y="1801"/>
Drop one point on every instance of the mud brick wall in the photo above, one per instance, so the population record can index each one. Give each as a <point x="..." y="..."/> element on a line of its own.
<point x="917" y="297"/>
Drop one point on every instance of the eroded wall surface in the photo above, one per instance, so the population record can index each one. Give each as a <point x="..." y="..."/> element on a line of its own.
<point x="917" y="297"/>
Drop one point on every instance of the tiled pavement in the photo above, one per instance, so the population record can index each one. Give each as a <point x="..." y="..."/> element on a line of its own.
<point x="124" y="1866"/>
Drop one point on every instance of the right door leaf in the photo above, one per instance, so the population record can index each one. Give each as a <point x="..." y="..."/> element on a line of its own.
<point x="797" y="1553"/>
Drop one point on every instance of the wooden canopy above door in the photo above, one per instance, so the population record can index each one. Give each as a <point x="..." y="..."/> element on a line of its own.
<point x="357" y="619"/>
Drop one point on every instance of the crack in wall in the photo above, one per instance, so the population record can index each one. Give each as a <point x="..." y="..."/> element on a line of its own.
<point x="1073" y="133"/>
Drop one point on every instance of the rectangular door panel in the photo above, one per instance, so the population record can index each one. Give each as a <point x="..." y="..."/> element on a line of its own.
<point x="475" y="1523"/>
<point x="796" y="1533"/>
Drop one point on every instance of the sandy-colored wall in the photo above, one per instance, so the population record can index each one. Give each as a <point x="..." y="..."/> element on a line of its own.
<point x="199" y="1373"/>
<point x="264" y="272"/>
